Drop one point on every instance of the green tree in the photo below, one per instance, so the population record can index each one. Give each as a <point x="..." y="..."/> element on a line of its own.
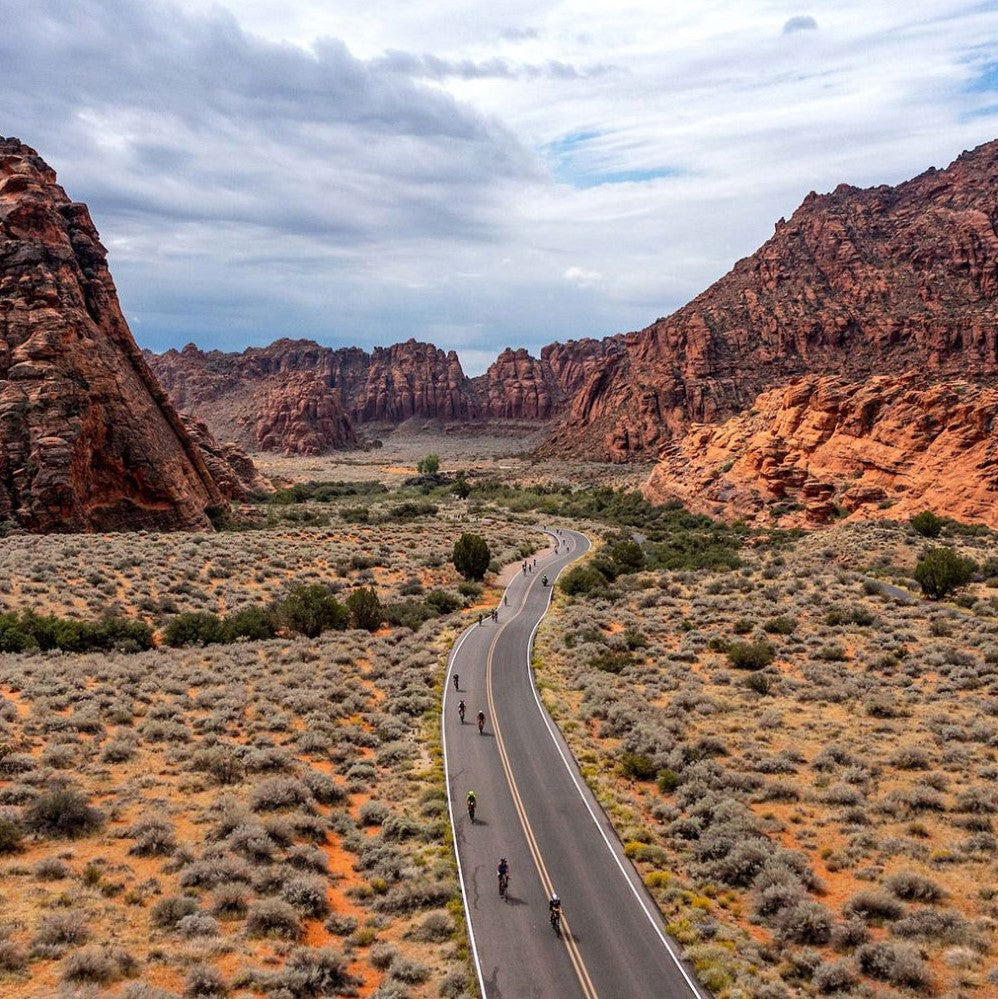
<point x="253" y="623"/>
<point x="195" y="628"/>
<point x="430" y="465"/>
<point x="471" y="556"/>
<point x="312" y="609"/>
<point x="927" y="524"/>
<point x="461" y="488"/>
<point x="941" y="570"/>
<point x="366" y="610"/>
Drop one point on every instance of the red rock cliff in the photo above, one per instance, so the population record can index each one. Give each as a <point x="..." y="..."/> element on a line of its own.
<point x="857" y="282"/>
<point x="825" y="447"/>
<point x="88" y="440"/>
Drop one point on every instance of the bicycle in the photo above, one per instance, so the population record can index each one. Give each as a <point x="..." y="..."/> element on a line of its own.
<point x="504" y="886"/>
<point x="460" y="711"/>
<point x="481" y="722"/>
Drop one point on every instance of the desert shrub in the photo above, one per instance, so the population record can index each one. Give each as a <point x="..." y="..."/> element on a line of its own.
<point x="167" y="912"/>
<point x="850" y="934"/>
<point x="194" y="628"/>
<point x="52" y="869"/>
<point x="750" y="655"/>
<point x="897" y="963"/>
<point x="11" y="836"/>
<point x="307" y="894"/>
<point x="279" y="792"/>
<point x="442" y="602"/>
<point x="914" y="887"/>
<point x="271" y="917"/>
<point x="836" y="976"/>
<point x="873" y="905"/>
<point x="251" y="623"/>
<point x="637" y="766"/>
<point x="779" y="626"/>
<point x="198" y="924"/>
<point x="153" y="837"/>
<point x="230" y="901"/>
<point x="927" y="524"/>
<point x="62" y="928"/>
<point x="366" y="611"/>
<point x="580" y="580"/>
<point x="205" y="982"/>
<point x="313" y="609"/>
<point x="314" y="972"/>
<point x="807" y="922"/>
<point x="941" y="571"/>
<point x="410" y="972"/>
<point x="12" y="956"/>
<point x="946" y="925"/>
<point x="436" y="927"/>
<point x="91" y="964"/>
<point x="471" y="556"/>
<point x="62" y="812"/>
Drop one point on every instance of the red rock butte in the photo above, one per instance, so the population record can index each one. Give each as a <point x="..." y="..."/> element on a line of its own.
<point x="88" y="439"/>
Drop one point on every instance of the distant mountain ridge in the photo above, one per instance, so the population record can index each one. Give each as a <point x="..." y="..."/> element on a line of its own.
<point x="297" y="396"/>
<point x="857" y="283"/>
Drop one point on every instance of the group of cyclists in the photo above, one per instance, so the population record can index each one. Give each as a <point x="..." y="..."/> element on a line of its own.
<point x="502" y="869"/>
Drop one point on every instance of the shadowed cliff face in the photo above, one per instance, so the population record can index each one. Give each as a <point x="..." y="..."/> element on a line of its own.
<point x="857" y="282"/>
<point x="88" y="440"/>
<point x="824" y="447"/>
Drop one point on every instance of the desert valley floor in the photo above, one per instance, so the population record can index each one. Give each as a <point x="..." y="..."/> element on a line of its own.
<point x="800" y="762"/>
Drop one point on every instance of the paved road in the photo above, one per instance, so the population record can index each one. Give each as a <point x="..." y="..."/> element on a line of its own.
<point x="534" y="809"/>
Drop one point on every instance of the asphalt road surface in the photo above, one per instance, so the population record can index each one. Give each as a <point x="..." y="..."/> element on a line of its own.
<point x="534" y="809"/>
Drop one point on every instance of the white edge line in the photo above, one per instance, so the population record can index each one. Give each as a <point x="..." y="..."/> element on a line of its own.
<point x="575" y="781"/>
<point x="450" y="801"/>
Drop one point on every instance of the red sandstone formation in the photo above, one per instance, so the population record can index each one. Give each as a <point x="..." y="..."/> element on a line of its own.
<point x="824" y="447"/>
<point x="303" y="416"/>
<point x="231" y="467"/>
<point x="858" y="282"/>
<point x="88" y="440"/>
<point x="298" y="397"/>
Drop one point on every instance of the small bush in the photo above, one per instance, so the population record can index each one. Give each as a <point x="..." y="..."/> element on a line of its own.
<point x="897" y="963"/>
<point x="874" y="906"/>
<point x="92" y="964"/>
<point x="806" y="922"/>
<point x="927" y="524"/>
<point x="11" y="836"/>
<point x="914" y="887"/>
<point x="205" y="982"/>
<point x="313" y="609"/>
<point x="62" y="812"/>
<point x="750" y="655"/>
<point x="167" y="912"/>
<point x="195" y="628"/>
<point x="272" y="917"/>
<point x="637" y="766"/>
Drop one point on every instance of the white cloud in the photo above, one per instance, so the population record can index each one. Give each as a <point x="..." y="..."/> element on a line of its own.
<point x="557" y="168"/>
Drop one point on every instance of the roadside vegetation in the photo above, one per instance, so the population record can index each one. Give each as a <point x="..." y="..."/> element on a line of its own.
<point x="802" y="767"/>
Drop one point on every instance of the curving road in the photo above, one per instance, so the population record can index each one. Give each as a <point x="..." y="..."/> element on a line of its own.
<point x="534" y="809"/>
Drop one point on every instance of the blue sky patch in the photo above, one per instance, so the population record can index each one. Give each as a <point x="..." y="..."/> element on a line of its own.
<point x="572" y="157"/>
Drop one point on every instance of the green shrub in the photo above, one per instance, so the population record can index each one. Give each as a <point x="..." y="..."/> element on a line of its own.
<point x="637" y="766"/>
<point x="312" y="609"/>
<point x="927" y="524"/>
<point x="11" y="836"/>
<point x="581" y="579"/>
<point x="750" y="655"/>
<point x="941" y="570"/>
<point x="252" y="623"/>
<point x="366" y="611"/>
<point x="779" y="626"/>
<point x="442" y="602"/>
<point x="194" y="628"/>
<point x="471" y="556"/>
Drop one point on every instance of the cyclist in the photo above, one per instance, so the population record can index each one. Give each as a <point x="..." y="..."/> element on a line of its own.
<point x="460" y="710"/>
<point x="544" y="580"/>
<point x="481" y="617"/>
<point x="502" y="871"/>
<point x="456" y="679"/>
<point x="554" y="910"/>
<point x="472" y="802"/>
<point x="481" y="722"/>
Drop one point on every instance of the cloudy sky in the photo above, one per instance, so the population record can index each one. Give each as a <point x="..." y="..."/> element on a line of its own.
<point x="474" y="174"/>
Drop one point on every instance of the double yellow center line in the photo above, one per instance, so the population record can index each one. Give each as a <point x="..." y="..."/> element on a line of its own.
<point x="588" y="989"/>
